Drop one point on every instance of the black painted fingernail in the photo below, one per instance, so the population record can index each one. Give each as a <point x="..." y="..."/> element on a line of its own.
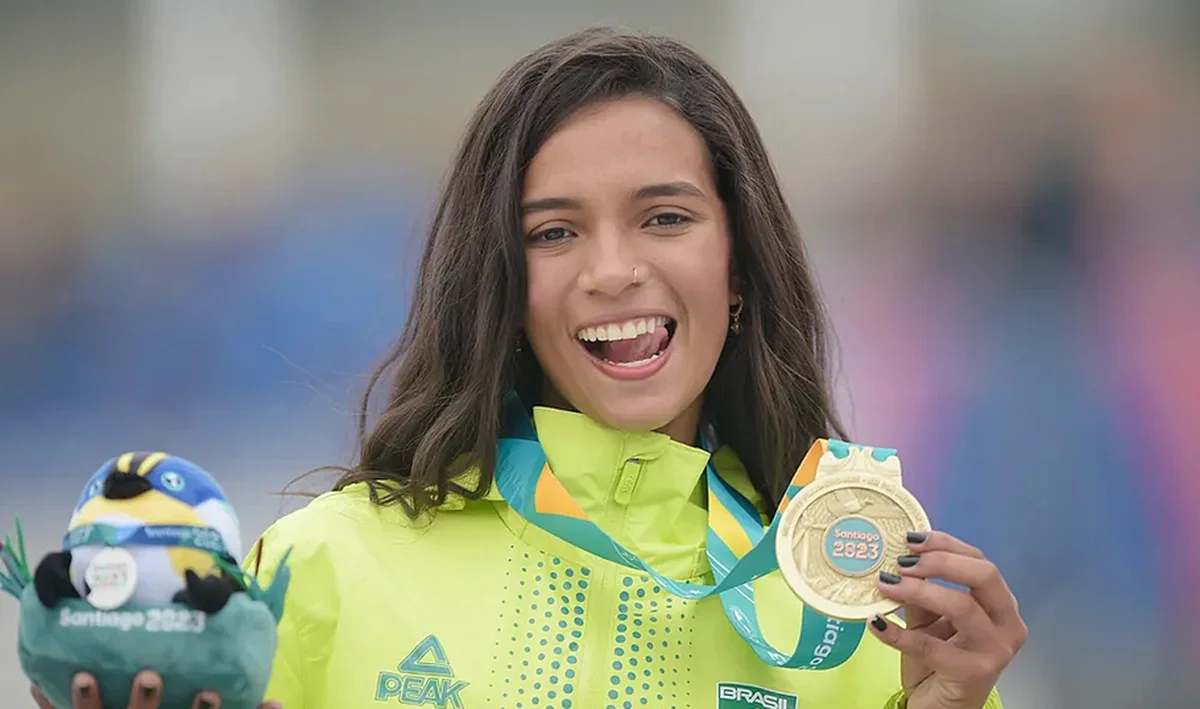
<point x="887" y="577"/>
<point x="879" y="623"/>
<point x="908" y="561"/>
<point x="205" y="704"/>
<point x="85" y="690"/>
<point x="148" y="692"/>
<point x="916" y="537"/>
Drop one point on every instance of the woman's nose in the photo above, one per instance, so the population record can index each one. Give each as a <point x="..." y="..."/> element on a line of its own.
<point x="611" y="265"/>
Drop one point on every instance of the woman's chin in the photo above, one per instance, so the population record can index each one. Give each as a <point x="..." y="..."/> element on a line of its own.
<point x="646" y="415"/>
<point x="631" y="406"/>
<point x="634" y="422"/>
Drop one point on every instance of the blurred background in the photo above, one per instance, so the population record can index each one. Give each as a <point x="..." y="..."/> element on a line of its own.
<point x="210" y="212"/>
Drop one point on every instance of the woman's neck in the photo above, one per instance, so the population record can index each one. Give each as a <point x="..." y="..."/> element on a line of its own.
<point x="683" y="428"/>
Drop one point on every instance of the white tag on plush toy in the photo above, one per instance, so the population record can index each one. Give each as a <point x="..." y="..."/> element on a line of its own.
<point x="112" y="577"/>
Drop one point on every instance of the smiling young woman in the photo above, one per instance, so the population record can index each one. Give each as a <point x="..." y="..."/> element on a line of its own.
<point x="614" y="314"/>
<point x="628" y="267"/>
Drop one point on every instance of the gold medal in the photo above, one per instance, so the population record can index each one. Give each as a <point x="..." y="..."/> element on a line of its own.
<point x="845" y="527"/>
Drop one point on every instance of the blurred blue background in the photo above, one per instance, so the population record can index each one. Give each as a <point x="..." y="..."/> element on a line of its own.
<point x="210" y="212"/>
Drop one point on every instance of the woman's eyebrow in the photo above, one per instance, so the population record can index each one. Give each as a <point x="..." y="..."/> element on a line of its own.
<point x="548" y="203"/>
<point x="678" y="188"/>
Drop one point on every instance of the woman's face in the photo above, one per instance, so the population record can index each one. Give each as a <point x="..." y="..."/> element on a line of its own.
<point x="628" y="262"/>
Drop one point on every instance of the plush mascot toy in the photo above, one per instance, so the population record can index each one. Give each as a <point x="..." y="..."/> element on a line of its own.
<point x="148" y="578"/>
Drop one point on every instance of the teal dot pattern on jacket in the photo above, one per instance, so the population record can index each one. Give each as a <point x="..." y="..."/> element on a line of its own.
<point x="548" y="616"/>
<point x="649" y="644"/>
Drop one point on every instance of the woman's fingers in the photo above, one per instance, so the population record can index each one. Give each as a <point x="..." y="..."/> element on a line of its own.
<point x="939" y="655"/>
<point x="942" y="556"/>
<point x="961" y="609"/>
<point x="941" y="628"/>
<point x="146" y="692"/>
<point x="39" y="698"/>
<point x="922" y="542"/>
<point x="980" y="575"/>
<point x="85" y="692"/>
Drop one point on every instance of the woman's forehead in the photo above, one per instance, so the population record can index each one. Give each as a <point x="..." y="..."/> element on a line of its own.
<point x="618" y="147"/>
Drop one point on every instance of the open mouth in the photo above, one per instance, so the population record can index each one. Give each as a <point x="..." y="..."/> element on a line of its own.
<point x="632" y="343"/>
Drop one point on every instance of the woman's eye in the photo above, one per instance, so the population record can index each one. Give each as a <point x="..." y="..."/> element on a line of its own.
<point x="553" y="234"/>
<point x="668" y="219"/>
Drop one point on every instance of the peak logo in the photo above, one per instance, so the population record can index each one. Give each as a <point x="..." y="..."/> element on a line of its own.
<point x="731" y="695"/>
<point x="424" y="678"/>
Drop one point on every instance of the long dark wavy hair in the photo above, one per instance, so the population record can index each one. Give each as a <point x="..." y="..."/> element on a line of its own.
<point x="457" y="357"/>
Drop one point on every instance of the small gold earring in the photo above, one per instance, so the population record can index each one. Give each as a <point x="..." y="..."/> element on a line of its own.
<point x="736" y="326"/>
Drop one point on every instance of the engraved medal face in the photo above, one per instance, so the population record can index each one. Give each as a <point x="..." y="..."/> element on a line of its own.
<point x="838" y="533"/>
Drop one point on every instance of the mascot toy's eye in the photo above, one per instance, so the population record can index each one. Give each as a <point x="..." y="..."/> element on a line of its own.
<point x="172" y="481"/>
<point x="147" y="578"/>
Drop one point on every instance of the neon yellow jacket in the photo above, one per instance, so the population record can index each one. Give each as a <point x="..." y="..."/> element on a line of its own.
<point x="474" y="607"/>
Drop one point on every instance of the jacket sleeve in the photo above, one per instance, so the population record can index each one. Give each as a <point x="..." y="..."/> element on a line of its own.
<point x="299" y="654"/>
<point x="900" y="702"/>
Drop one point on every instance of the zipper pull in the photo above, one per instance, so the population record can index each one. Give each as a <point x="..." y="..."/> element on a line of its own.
<point x="627" y="481"/>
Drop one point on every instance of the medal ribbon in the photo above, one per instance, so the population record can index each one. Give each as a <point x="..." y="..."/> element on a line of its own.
<point x="169" y="535"/>
<point x="740" y="549"/>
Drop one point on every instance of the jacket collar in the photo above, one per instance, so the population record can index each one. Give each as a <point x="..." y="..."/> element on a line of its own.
<point x="644" y="489"/>
<point x="604" y="468"/>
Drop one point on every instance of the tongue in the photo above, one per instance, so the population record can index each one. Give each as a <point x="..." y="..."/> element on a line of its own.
<point x="637" y="349"/>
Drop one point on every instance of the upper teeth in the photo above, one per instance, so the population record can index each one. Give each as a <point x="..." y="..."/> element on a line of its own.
<point x="621" y="331"/>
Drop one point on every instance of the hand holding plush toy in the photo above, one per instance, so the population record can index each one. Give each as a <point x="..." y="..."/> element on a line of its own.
<point x="147" y="579"/>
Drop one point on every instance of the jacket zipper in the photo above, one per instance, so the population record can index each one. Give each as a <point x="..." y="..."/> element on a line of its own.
<point x="602" y="605"/>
